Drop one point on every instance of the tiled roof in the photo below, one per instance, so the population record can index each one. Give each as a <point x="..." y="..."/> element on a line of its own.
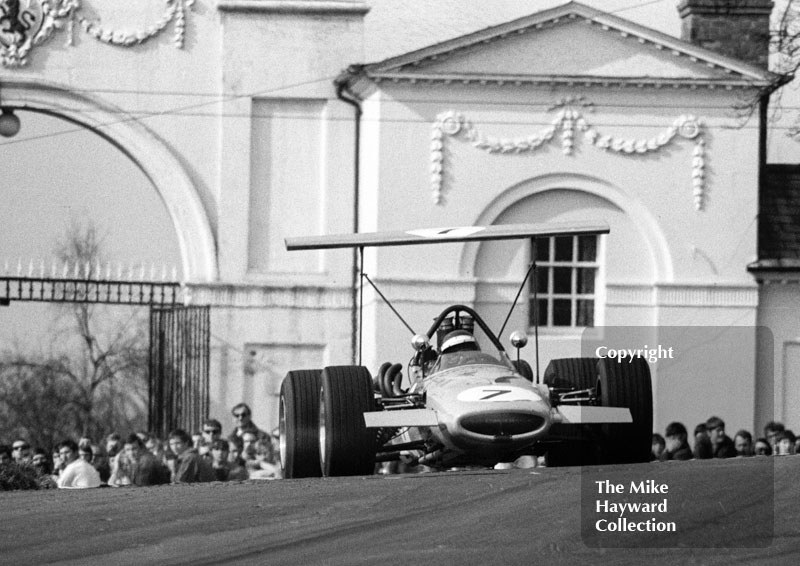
<point x="779" y="219"/>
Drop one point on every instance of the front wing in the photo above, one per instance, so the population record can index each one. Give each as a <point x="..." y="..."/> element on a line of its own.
<point x="563" y="414"/>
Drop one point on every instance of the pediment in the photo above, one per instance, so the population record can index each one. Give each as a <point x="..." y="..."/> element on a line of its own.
<point x="572" y="41"/>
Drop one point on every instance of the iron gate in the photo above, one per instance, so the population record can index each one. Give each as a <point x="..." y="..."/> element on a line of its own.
<point x="179" y="368"/>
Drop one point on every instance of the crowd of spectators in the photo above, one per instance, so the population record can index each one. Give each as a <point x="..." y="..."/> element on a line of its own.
<point x="141" y="458"/>
<point x="711" y="441"/>
<point x="248" y="452"/>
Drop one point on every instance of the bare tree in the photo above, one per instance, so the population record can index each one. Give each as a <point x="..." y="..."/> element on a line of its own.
<point x="785" y="46"/>
<point x="94" y="379"/>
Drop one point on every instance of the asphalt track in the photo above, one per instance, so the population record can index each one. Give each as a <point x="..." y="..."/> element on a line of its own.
<point x="724" y="511"/>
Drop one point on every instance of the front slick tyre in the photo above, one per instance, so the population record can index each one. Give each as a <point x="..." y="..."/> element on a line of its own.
<point x="346" y="446"/>
<point x="626" y="384"/>
<point x="299" y="424"/>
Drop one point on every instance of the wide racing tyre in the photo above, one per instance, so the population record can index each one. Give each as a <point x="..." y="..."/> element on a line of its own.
<point x="626" y="383"/>
<point x="346" y="446"/>
<point x="299" y="424"/>
<point x="571" y="373"/>
<point x="578" y="443"/>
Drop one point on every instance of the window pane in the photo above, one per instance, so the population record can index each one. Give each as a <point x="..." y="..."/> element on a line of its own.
<point x="564" y="248"/>
<point x="586" y="276"/>
<point x="587" y="248"/>
<point x="562" y="280"/>
<point x="541" y="312"/>
<point x="541" y="279"/>
<point x="561" y="312"/>
<point x="542" y="249"/>
<point x="585" y="313"/>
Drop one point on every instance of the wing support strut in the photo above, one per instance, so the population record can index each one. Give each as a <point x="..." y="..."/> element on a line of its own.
<point x="364" y="276"/>
<point x="531" y="269"/>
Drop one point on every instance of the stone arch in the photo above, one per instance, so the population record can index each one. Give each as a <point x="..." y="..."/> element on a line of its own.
<point x="644" y="222"/>
<point x="149" y="153"/>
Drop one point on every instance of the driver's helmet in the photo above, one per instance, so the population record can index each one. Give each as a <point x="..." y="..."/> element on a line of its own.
<point x="459" y="341"/>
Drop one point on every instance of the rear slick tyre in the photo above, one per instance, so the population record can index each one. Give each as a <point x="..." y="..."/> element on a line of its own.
<point x="346" y="446"/>
<point x="299" y="424"/>
<point x="578" y="445"/>
<point x="626" y="384"/>
<point x="571" y="373"/>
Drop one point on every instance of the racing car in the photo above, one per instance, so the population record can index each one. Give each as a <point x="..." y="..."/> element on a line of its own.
<point x="467" y="402"/>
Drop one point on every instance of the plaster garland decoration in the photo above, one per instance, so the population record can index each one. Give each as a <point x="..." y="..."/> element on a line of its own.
<point x="28" y="23"/>
<point x="175" y="10"/>
<point x="567" y="122"/>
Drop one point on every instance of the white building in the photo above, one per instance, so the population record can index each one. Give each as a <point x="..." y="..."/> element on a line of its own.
<point x="561" y="115"/>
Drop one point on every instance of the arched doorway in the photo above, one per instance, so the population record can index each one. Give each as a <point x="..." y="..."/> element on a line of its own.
<point x="187" y="211"/>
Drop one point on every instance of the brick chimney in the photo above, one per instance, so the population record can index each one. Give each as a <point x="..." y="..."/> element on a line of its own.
<point x="736" y="28"/>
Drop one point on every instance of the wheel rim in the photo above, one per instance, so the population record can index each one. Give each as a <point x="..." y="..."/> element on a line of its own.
<point x="282" y="432"/>
<point x="322" y="434"/>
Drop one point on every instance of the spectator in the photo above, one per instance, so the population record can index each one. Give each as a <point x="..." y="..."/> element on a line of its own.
<point x="139" y="466"/>
<point x="263" y="467"/>
<point x="5" y="454"/>
<point x="219" y="459"/>
<point x="211" y="431"/>
<point x="101" y="463"/>
<point x="58" y="465"/>
<point x="237" y="465"/>
<point x="657" y="447"/>
<point x="702" y="443"/>
<point x="784" y="443"/>
<point x="156" y="448"/>
<point x="743" y="442"/>
<point x="190" y="467"/>
<point x="677" y="444"/>
<point x="762" y="447"/>
<point x="771" y="430"/>
<point x="249" y="441"/>
<point x="113" y="445"/>
<point x="76" y="473"/>
<point x="243" y="422"/>
<point x="721" y="443"/>
<point x="21" y="451"/>
<point x="41" y="462"/>
<point x="197" y="439"/>
<point x="85" y="451"/>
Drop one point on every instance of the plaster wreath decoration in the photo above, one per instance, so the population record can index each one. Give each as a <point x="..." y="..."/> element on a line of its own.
<point x="28" y="23"/>
<point x="567" y="122"/>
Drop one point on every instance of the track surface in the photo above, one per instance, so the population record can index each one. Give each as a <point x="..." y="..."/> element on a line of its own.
<point x="491" y="517"/>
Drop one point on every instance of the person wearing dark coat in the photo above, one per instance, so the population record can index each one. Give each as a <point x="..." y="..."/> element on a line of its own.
<point x="677" y="444"/>
<point x="722" y="444"/>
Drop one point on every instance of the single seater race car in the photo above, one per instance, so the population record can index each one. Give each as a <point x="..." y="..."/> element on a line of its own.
<point x="467" y="402"/>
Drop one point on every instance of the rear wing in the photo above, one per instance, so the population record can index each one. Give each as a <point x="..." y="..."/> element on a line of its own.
<point x="445" y="235"/>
